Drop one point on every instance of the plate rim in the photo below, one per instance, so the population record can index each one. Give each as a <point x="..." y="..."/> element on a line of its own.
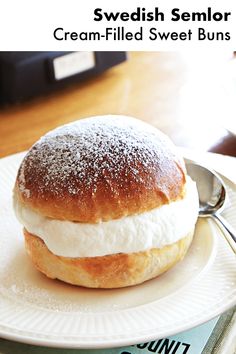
<point x="108" y="344"/>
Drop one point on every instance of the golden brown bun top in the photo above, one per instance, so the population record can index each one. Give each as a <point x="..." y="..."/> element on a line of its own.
<point x="100" y="168"/>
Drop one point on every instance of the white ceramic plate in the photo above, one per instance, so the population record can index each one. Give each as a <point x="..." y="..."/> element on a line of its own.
<point x="37" y="310"/>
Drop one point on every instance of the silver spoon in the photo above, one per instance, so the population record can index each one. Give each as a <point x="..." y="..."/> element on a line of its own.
<point x="212" y="196"/>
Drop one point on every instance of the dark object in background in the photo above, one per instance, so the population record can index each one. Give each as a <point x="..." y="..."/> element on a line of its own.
<point x="24" y="75"/>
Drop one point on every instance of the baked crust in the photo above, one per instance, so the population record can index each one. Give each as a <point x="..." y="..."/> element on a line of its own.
<point x="111" y="271"/>
<point x="98" y="169"/>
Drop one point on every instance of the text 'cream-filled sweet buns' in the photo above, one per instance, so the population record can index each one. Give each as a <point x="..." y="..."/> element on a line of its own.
<point x="105" y="202"/>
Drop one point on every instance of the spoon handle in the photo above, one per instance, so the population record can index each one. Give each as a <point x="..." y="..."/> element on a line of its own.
<point x="230" y="235"/>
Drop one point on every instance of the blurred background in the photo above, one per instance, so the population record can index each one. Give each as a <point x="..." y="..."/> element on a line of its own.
<point x="190" y="96"/>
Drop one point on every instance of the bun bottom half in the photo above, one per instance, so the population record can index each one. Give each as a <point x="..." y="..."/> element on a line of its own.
<point x="111" y="271"/>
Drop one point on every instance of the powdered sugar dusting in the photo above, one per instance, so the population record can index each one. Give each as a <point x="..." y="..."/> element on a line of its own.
<point x="84" y="154"/>
<point x="22" y="187"/>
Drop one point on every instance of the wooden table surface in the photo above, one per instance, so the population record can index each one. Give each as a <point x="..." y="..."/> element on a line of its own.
<point x="183" y="94"/>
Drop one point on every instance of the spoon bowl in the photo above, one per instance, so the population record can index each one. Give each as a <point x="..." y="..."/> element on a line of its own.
<point x="211" y="189"/>
<point x="212" y="197"/>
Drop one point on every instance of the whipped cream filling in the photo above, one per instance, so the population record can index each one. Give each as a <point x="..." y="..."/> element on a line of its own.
<point x="153" y="229"/>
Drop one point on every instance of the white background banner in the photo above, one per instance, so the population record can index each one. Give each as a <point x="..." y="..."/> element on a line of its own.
<point x="117" y="25"/>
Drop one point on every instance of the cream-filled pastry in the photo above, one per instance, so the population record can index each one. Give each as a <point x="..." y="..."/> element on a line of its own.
<point x="105" y="202"/>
